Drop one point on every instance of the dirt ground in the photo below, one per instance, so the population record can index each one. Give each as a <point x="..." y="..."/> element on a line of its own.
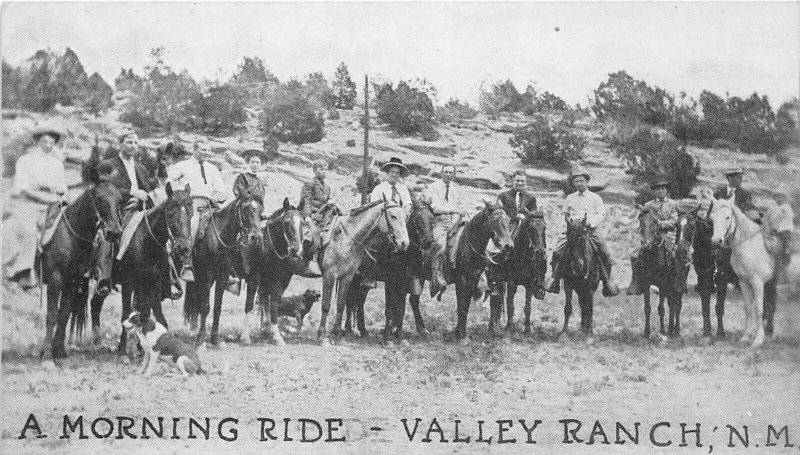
<point x="619" y="378"/>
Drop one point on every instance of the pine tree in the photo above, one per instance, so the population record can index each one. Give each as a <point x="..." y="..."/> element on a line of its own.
<point x="12" y="84"/>
<point x="344" y="89"/>
<point x="97" y="94"/>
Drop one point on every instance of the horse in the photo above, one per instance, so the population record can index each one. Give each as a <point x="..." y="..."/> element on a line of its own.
<point x="346" y="250"/>
<point x="750" y="260"/>
<point x="665" y="266"/>
<point x="280" y="258"/>
<point x="526" y="266"/>
<point x="144" y="269"/>
<point x="224" y="245"/>
<point x="491" y="223"/>
<point x="581" y="274"/>
<point x="404" y="273"/>
<point x="63" y="261"/>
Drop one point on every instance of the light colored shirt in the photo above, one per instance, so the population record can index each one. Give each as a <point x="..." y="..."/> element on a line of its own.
<point x="437" y="192"/>
<point x="130" y="168"/>
<point x="587" y="204"/>
<point x="730" y="192"/>
<point x="38" y="171"/>
<point x="400" y="196"/>
<point x="780" y="218"/>
<point x="188" y="171"/>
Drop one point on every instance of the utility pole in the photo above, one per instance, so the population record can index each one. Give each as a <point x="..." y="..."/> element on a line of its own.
<point x="365" y="174"/>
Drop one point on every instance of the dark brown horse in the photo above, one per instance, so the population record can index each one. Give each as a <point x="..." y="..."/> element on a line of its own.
<point x="664" y="264"/>
<point x="280" y="259"/>
<point x="230" y="242"/>
<point x="526" y="266"/>
<point x="65" y="259"/>
<point x="581" y="273"/>
<point x="491" y="223"/>
<point x="144" y="269"/>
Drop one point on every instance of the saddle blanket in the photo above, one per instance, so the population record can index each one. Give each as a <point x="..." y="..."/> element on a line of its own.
<point x="127" y="232"/>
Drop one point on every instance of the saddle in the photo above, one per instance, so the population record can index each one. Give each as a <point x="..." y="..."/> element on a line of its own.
<point x="202" y="225"/>
<point x="48" y="224"/>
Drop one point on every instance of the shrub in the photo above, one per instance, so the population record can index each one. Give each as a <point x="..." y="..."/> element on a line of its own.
<point x="254" y="81"/>
<point x="12" y="86"/>
<point x="499" y="97"/>
<point x="454" y="110"/>
<point x="651" y="152"/>
<point x="219" y="112"/>
<point x="545" y="142"/>
<point x="622" y="98"/>
<point x="164" y="102"/>
<point x="406" y="110"/>
<point x="291" y="117"/>
<point x="97" y="95"/>
<point x="344" y="89"/>
<point x="535" y="102"/>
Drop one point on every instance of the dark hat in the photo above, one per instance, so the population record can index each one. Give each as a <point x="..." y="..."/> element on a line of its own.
<point x="52" y="132"/>
<point x="659" y="182"/>
<point x="254" y="152"/>
<point x="394" y="161"/>
<point x="125" y="133"/>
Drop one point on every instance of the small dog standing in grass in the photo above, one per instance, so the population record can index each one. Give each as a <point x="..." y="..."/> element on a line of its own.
<point x="157" y="342"/>
<point x="298" y="306"/>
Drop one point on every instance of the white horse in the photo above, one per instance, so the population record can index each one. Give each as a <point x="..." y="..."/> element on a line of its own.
<point x="750" y="260"/>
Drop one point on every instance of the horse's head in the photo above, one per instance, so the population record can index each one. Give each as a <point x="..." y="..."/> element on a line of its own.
<point x="500" y="226"/>
<point x="249" y="208"/>
<point x="287" y="222"/>
<point x="393" y="224"/>
<point x="723" y="221"/>
<point x="685" y="233"/>
<point x="107" y="202"/>
<point x="420" y="224"/>
<point x="579" y="247"/>
<point x="648" y="227"/>
<point x="533" y="231"/>
<point x="179" y="210"/>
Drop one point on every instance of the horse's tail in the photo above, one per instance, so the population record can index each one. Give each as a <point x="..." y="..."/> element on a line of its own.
<point x="78" y="308"/>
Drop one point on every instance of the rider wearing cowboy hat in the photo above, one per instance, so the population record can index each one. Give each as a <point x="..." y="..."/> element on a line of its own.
<point x="249" y="181"/>
<point x="581" y="204"/>
<point x="665" y="211"/>
<point x="444" y="195"/>
<point x="741" y="197"/>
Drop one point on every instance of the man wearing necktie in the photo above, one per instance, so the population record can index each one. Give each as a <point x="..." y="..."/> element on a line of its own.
<point x="205" y="182"/>
<point x="443" y="195"/>
<point x="741" y="197"/>
<point x="581" y="204"/>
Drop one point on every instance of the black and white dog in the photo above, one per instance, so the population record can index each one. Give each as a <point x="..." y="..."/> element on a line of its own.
<point x="157" y="342"/>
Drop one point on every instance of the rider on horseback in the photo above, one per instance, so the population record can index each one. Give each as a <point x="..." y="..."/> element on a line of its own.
<point x="207" y="188"/>
<point x="443" y="195"/>
<point x="583" y="203"/>
<point x="780" y="222"/>
<point x="665" y="211"/>
<point x="315" y="195"/>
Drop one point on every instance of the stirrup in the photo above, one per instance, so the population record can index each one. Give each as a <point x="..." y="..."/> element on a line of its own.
<point x="187" y="274"/>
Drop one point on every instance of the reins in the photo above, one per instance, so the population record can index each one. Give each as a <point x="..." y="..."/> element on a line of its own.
<point x="72" y="231"/>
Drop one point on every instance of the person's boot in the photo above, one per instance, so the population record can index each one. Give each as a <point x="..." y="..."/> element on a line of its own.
<point x="633" y="288"/>
<point x="187" y="273"/>
<point x="552" y="283"/>
<point x="234" y="285"/>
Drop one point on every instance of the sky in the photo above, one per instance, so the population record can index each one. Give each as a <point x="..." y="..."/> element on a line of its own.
<point x="565" y="48"/>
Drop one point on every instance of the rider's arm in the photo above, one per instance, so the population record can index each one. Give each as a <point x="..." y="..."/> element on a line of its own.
<point x="217" y="184"/>
<point x="596" y="212"/>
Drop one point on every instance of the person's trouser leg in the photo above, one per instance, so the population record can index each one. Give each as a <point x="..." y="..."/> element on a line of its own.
<point x="610" y="287"/>
<point x="438" y="281"/>
<point x="633" y="287"/>
<point x="553" y="283"/>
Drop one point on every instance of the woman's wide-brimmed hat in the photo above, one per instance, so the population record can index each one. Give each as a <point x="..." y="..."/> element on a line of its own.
<point x="254" y="152"/>
<point x="55" y="133"/>
<point x="736" y="170"/>
<point x="577" y="171"/>
<point x="394" y="161"/>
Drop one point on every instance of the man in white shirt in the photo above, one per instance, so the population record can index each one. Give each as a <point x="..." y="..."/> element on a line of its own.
<point x="206" y="184"/>
<point x="583" y="203"/>
<point x="443" y="195"/>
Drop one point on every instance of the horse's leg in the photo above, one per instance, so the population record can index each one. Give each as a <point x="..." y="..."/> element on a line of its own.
<point x="388" y="312"/>
<point x="770" y="303"/>
<point x="327" y="292"/>
<point x="358" y="312"/>
<point x="418" y="322"/>
<point x="678" y="305"/>
<point x="96" y="309"/>
<point x="462" y="309"/>
<point x="511" y="290"/>
<point x="705" y="302"/>
<point x="671" y="315"/>
<point x="202" y="293"/>
<point x="191" y="294"/>
<point x="219" y="290"/>
<point x="251" y="285"/>
<point x="586" y="300"/>
<point x="341" y="301"/>
<point x="567" y="307"/>
<point x="661" y="298"/>
<point x="647" y="310"/>
<point x="722" y="292"/>
<point x="747" y="296"/>
<point x="64" y="309"/>
<point x="758" y="310"/>
<point x="276" y="289"/>
<point x="495" y="308"/>
<point x="127" y="294"/>
<point x="158" y="313"/>
<point x="528" y="296"/>
<point x="400" y="314"/>
<point x="51" y="318"/>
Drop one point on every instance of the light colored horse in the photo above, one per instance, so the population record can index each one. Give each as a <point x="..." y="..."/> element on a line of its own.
<point x="750" y="260"/>
<point x="347" y="249"/>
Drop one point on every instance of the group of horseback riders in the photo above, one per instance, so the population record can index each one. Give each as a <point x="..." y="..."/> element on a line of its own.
<point x="40" y="182"/>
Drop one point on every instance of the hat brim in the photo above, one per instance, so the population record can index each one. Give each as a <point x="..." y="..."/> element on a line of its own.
<point x="247" y="154"/>
<point x="586" y="176"/>
<point x="402" y="167"/>
<point x="736" y="172"/>
<point x="659" y="185"/>
<point x="52" y="133"/>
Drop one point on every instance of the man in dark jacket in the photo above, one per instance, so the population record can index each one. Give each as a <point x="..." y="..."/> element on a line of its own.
<point x="129" y="176"/>
<point x="741" y="197"/>
<point x="517" y="201"/>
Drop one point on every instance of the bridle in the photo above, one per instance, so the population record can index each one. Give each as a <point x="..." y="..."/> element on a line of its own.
<point x="384" y="209"/>
<point x="215" y="229"/>
<point x="490" y="257"/>
<point x="98" y="225"/>
<point x="285" y="237"/>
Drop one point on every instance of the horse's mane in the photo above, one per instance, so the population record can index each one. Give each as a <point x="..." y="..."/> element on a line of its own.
<point x="278" y="213"/>
<point x="364" y="207"/>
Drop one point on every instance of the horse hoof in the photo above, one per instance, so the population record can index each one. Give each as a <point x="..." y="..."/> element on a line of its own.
<point x="388" y="344"/>
<point x="221" y="345"/>
<point x="48" y="365"/>
<point x="424" y="334"/>
<point x="706" y="341"/>
<point x="404" y="343"/>
<point x="280" y="342"/>
<point x="527" y="331"/>
<point x="463" y="341"/>
<point x="325" y="342"/>
<point x="589" y="340"/>
<point x="757" y="342"/>
<point x="246" y="340"/>
<point x="564" y="337"/>
<point x="662" y="338"/>
<point x="342" y="342"/>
